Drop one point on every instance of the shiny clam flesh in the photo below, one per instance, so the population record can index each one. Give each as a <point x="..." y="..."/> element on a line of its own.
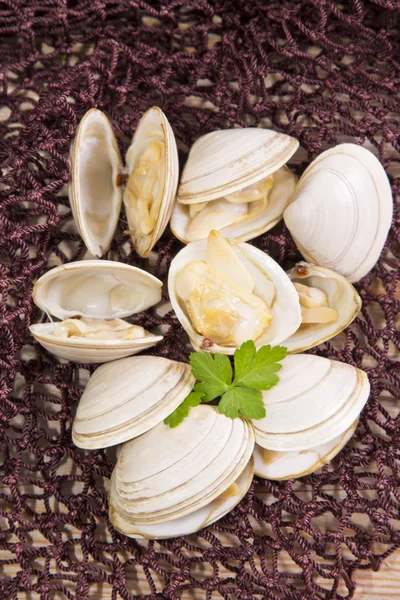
<point x="225" y="293"/>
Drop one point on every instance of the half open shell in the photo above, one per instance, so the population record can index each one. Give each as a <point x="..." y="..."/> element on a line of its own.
<point x="234" y="181"/>
<point x="98" y="178"/>
<point x="329" y="298"/>
<point x="317" y="399"/>
<point x="269" y="304"/>
<point x="280" y="466"/>
<point x="342" y="211"/>
<point x="126" y="398"/>
<point x="98" y="291"/>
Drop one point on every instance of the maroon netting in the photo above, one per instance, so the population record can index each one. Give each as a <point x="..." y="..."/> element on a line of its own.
<point x="322" y="71"/>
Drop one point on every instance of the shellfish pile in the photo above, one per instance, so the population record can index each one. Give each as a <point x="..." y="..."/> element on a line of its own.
<point x="235" y="186"/>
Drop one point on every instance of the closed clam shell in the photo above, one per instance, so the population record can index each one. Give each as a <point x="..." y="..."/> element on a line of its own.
<point x="280" y="466"/>
<point x="342" y="211"/>
<point x="341" y="296"/>
<point x="316" y="400"/>
<point x="203" y="517"/>
<point x="95" y="192"/>
<point x="95" y="290"/>
<point x="153" y="127"/>
<point x="127" y="397"/>
<point x="171" y="472"/>
<point x="223" y="162"/>
<point x="286" y="308"/>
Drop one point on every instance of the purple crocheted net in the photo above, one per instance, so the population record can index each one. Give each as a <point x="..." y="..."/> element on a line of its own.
<point x="322" y="71"/>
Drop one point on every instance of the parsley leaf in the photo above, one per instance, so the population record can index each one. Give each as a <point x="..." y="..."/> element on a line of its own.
<point x="246" y="401"/>
<point x="257" y="369"/>
<point x="180" y="413"/>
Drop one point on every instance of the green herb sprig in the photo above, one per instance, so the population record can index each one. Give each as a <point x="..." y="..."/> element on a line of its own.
<point x="239" y="393"/>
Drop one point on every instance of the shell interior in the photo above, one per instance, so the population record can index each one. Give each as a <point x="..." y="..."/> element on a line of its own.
<point x="96" y="289"/>
<point x="265" y="273"/>
<point x="342" y="211"/>
<point x="168" y="473"/>
<point x="126" y="398"/>
<point x="190" y="523"/>
<point x="95" y="193"/>
<point x="340" y="295"/>
<point x="317" y="399"/>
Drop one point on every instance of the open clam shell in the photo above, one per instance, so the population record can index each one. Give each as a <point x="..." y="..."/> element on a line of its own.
<point x="342" y="211"/>
<point x="126" y="398"/>
<point x="223" y="164"/>
<point x="247" y="264"/>
<point x="98" y="291"/>
<point x="98" y="181"/>
<point x="280" y="466"/>
<point x="317" y="399"/>
<point x="340" y="295"/>
<point x="191" y="523"/>
<point x="169" y="473"/>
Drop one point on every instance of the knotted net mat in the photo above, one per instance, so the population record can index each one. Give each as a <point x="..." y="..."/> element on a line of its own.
<point x="322" y="71"/>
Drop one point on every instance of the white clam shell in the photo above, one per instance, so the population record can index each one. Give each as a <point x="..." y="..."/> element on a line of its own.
<point x="95" y="194"/>
<point x="191" y="523"/>
<point x="286" y="308"/>
<point x="223" y="162"/>
<point x="96" y="190"/>
<point x="169" y="473"/>
<point x="342" y="211"/>
<point x="89" y="283"/>
<point x="341" y="295"/>
<point x="154" y="126"/>
<point x="126" y="398"/>
<point x="316" y="400"/>
<point x="280" y="466"/>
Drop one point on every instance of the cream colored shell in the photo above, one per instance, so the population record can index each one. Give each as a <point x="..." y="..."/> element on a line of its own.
<point x="280" y="466"/>
<point x="316" y="400"/>
<point x="286" y="308"/>
<point x="191" y="523"/>
<point x="169" y="473"/>
<point x="223" y="162"/>
<point x="125" y="398"/>
<point x="341" y="295"/>
<point x="342" y="211"/>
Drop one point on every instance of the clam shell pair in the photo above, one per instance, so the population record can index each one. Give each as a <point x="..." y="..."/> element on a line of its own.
<point x="311" y="415"/>
<point x="221" y="164"/>
<point x="342" y="211"/>
<point x="166" y="482"/>
<point x="286" y="326"/>
<point x="97" y="187"/>
<point x="102" y="292"/>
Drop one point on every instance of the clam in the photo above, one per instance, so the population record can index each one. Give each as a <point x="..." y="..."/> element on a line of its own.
<point x="234" y="181"/>
<point x="99" y="183"/>
<point x="91" y="299"/>
<point x="271" y="464"/>
<point x="317" y="399"/>
<point x="190" y="523"/>
<point x="328" y="301"/>
<point x="125" y="398"/>
<point x="342" y="211"/>
<point x="166" y="473"/>
<point x="225" y="293"/>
